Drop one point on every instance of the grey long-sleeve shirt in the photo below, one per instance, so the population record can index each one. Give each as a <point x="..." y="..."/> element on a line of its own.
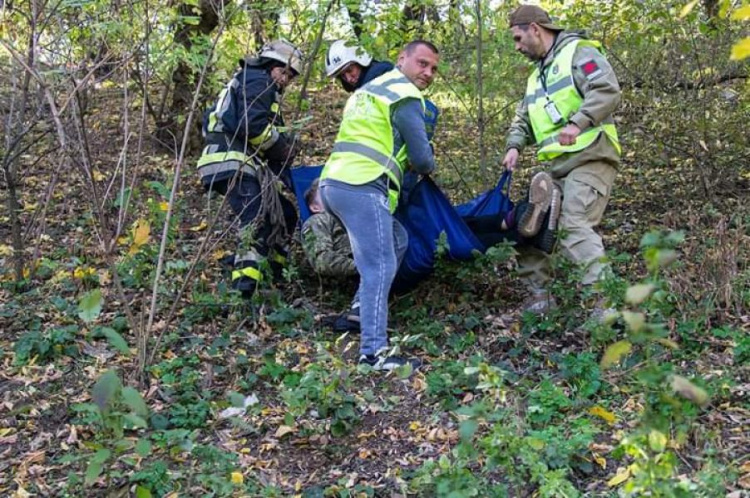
<point x="409" y="128"/>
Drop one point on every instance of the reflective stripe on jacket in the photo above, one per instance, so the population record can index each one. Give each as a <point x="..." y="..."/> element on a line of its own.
<point x="562" y="91"/>
<point x="244" y="122"/>
<point x="364" y="148"/>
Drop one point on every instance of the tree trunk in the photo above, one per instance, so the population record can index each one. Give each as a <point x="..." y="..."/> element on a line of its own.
<point x="313" y="55"/>
<point x="263" y="14"/>
<point x="170" y="127"/>
<point x="355" y="16"/>
<point x="711" y="7"/>
<point x="17" y="122"/>
<point x="454" y="19"/>
<point x="258" y="31"/>
<point x="480" y="93"/>
<point x="413" y="20"/>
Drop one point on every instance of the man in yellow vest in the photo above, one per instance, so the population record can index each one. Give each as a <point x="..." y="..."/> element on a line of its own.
<point x="567" y="112"/>
<point x="383" y="131"/>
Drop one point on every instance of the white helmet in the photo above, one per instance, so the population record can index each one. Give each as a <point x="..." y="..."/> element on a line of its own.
<point x="284" y="52"/>
<point x="341" y="55"/>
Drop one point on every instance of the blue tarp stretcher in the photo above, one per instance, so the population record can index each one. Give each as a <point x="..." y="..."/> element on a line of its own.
<point x="425" y="214"/>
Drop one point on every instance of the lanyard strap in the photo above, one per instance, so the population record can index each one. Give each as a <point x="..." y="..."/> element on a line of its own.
<point x="542" y="73"/>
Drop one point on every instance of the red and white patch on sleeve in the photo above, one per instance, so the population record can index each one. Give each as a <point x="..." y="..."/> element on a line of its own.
<point x="590" y="69"/>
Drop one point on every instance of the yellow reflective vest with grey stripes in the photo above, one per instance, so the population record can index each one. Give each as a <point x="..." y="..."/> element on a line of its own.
<point x="561" y="89"/>
<point x="364" y="148"/>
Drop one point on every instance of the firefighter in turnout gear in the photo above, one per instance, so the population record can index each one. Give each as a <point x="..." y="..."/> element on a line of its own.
<point x="247" y="152"/>
<point x="567" y="113"/>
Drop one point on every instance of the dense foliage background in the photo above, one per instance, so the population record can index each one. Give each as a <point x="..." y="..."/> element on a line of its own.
<point x="122" y="348"/>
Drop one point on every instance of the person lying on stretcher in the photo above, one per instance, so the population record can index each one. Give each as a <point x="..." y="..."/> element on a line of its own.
<point x="532" y="222"/>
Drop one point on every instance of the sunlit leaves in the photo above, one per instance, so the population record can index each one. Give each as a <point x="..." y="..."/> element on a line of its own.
<point x="603" y="414"/>
<point x="622" y="475"/>
<point x="688" y="8"/>
<point x="614" y="353"/>
<point x="141" y="235"/>
<point x="688" y="390"/>
<point x="742" y="14"/>
<point x="636" y="294"/>
<point x="657" y="441"/>
<point x="635" y="321"/>
<point x="658" y="249"/>
<point x="741" y="49"/>
<point x="90" y="305"/>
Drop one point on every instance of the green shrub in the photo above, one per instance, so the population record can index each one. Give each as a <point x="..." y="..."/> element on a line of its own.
<point x="46" y="346"/>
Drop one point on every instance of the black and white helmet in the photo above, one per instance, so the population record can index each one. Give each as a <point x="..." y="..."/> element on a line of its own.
<point x="341" y="55"/>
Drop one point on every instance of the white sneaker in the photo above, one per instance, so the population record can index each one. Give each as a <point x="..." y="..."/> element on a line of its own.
<point x="388" y="363"/>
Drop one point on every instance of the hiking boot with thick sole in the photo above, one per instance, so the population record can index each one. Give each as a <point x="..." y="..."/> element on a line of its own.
<point x="342" y="323"/>
<point x="547" y="236"/>
<point x="540" y="197"/>
<point x="353" y="313"/>
<point x="349" y="321"/>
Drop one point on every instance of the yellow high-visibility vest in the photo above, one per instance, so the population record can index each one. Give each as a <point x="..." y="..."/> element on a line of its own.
<point x="561" y="89"/>
<point x="364" y="148"/>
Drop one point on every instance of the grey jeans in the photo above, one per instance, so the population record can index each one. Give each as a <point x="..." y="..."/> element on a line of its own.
<point x="379" y="242"/>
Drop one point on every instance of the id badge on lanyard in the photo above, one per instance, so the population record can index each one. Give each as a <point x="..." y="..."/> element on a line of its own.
<point x="550" y="108"/>
<point x="552" y="112"/>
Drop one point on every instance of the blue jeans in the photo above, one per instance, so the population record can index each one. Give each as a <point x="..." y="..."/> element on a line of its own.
<point x="379" y="242"/>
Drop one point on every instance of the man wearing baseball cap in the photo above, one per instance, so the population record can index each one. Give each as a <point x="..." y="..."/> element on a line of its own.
<point x="567" y="113"/>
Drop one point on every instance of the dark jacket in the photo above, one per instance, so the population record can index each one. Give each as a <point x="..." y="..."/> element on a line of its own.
<point x="369" y="73"/>
<point x="248" y="108"/>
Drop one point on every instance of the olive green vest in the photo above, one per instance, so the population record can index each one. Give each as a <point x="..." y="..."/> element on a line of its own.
<point x="364" y="148"/>
<point x="561" y="90"/>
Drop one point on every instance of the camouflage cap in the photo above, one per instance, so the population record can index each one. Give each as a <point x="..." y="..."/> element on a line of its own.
<point x="527" y="14"/>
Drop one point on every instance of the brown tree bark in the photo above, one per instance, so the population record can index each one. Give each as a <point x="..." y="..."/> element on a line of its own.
<point x="264" y="14"/>
<point x="170" y="126"/>
<point x="15" y="142"/>
<point x="711" y="7"/>
<point x="355" y="16"/>
<point x="413" y="19"/>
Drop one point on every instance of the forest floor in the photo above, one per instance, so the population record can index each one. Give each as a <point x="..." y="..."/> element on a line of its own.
<point x="507" y="404"/>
